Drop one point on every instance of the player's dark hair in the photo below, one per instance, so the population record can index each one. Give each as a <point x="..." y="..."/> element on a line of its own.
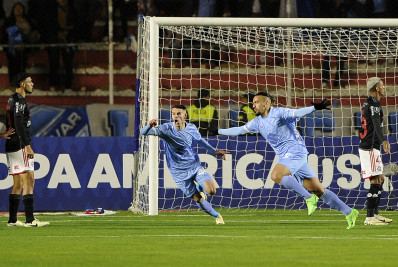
<point x="266" y="94"/>
<point x="18" y="78"/>
<point x="180" y="107"/>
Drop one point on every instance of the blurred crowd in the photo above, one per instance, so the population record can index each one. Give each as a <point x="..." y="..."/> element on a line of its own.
<point x="270" y="8"/>
<point x="62" y="24"/>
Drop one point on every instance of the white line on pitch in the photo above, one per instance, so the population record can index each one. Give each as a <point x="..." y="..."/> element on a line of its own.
<point x="229" y="221"/>
<point x="232" y="236"/>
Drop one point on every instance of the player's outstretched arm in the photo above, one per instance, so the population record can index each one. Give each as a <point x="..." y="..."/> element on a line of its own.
<point x="301" y="112"/>
<point x="7" y="134"/>
<point x="234" y="131"/>
<point x="147" y="130"/>
<point x="203" y="143"/>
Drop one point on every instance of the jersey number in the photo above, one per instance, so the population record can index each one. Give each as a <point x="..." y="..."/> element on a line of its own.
<point x="365" y="130"/>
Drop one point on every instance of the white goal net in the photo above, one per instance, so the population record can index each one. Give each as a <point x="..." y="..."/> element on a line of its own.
<point x="295" y="60"/>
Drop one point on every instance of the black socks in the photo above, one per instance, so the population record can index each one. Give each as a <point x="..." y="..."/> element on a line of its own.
<point x="13" y="207"/>
<point x="28" y="203"/>
<point x="372" y="198"/>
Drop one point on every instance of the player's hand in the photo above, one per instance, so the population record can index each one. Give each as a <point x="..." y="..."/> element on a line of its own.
<point x="386" y="147"/>
<point x="153" y="123"/>
<point x="29" y="152"/>
<point x="221" y="153"/>
<point x="7" y="134"/>
<point x="322" y="105"/>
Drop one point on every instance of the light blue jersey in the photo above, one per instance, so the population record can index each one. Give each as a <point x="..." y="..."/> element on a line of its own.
<point x="279" y="129"/>
<point x="182" y="160"/>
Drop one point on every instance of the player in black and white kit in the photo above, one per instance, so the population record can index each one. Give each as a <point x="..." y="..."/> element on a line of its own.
<point x="371" y="138"/>
<point x="19" y="152"/>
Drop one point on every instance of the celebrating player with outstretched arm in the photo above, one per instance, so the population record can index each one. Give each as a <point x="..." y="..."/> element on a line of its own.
<point x="371" y="135"/>
<point x="278" y="126"/>
<point x="182" y="161"/>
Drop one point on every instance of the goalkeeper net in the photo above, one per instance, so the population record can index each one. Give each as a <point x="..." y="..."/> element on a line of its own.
<point x="295" y="60"/>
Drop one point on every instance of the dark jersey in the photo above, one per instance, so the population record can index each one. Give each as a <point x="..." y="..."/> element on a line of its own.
<point x="371" y="133"/>
<point x="17" y="117"/>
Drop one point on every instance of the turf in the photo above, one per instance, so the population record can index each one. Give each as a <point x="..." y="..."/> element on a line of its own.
<point x="249" y="238"/>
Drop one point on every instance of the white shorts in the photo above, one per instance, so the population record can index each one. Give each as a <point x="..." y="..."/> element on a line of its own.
<point x="371" y="163"/>
<point x="18" y="162"/>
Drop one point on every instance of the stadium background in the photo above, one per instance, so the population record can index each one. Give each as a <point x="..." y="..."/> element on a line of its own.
<point x="89" y="107"/>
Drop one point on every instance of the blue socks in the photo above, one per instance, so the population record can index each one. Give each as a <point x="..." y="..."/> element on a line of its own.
<point x="206" y="207"/>
<point x="328" y="196"/>
<point x="334" y="202"/>
<point x="290" y="183"/>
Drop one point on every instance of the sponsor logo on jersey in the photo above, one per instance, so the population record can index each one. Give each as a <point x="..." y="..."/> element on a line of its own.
<point x="287" y="155"/>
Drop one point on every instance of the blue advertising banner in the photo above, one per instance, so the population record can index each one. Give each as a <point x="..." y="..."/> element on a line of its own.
<point x="59" y="121"/>
<point x="78" y="173"/>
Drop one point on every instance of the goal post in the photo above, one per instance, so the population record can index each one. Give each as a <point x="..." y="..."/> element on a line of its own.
<point x="289" y="57"/>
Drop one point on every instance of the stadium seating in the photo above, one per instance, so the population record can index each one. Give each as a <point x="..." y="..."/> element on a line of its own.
<point x="392" y="121"/>
<point x="319" y="120"/>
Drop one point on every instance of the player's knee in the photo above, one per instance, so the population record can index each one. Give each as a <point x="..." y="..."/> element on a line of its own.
<point x="17" y="187"/>
<point x="276" y="177"/>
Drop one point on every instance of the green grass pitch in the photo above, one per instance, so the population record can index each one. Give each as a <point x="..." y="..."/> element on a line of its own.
<point x="249" y="238"/>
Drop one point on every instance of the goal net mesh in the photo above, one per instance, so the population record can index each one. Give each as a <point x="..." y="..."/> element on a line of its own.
<point x="296" y="65"/>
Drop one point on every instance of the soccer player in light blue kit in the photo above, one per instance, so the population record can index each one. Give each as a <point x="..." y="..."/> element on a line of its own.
<point x="278" y="126"/>
<point x="182" y="161"/>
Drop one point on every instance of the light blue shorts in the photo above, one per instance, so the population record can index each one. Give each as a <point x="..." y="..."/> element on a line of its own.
<point x="298" y="166"/>
<point x="189" y="187"/>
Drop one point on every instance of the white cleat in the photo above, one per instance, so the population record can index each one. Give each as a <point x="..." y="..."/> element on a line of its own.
<point x="374" y="221"/>
<point x="16" y="224"/>
<point x="383" y="219"/>
<point x="219" y="220"/>
<point x="203" y="195"/>
<point x="37" y="223"/>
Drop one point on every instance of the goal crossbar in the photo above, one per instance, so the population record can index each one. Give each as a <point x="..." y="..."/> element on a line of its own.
<point x="275" y="22"/>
